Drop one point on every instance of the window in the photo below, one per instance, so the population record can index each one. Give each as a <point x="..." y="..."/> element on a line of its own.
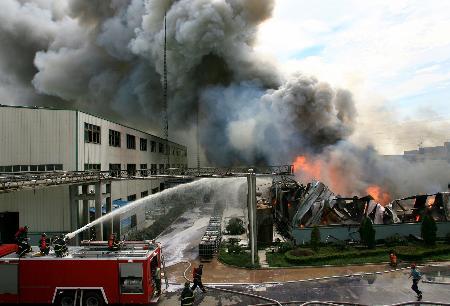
<point x="131" y="169"/>
<point x="53" y="167"/>
<point x="92" y="167"/>
<point x="33" y="168"/>
<point x="114" y="138"/>
<point x="144" y="194"/>
<point x="6" y="169"/>
<point x="161" y="168"/>
<point x="16" y="168"/>
<point x="131" y="197"/>
<point x="160" y="147"/>
<point x="131" y="278"/>
<point x="133" y="221"/>
<point x="153" y="169"/>
<point x="91" y="133"/>
<point x="9" y="281"/>
<point x="155" y="190"/>
<point x="131" y="142"/>
<point x="143" y="144"/>
<point x="144" y="171"/>
<point x="41" y="168"/>
<point x="114" y="169"/>
<point x="152" y="146"/>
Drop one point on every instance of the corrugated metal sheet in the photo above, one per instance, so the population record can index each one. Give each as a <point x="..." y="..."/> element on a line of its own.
<point x="37" y="136"/>
<point x="45" y="209"/>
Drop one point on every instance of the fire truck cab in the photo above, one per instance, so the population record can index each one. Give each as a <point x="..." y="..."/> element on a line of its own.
<point x="89" y="275"/>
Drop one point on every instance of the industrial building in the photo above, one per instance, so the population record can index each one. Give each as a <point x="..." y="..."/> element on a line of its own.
<point x="429" y="153"/>
<point x="37" y="140"/>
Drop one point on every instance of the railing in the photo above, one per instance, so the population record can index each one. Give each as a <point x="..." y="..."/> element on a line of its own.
<point x="12" y="181"/>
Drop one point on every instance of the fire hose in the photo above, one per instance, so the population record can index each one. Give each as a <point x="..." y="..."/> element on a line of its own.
<point x="274" y="302"/>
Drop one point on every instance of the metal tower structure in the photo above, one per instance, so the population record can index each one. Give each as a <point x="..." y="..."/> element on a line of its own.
<point x="165" y="116"/>
<point x="198" y="137"/>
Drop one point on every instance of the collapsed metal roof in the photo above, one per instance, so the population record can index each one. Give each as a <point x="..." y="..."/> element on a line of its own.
<point x="298" y="205"/>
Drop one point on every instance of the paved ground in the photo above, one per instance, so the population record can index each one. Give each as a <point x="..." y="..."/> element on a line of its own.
<point x="374" y="289"/>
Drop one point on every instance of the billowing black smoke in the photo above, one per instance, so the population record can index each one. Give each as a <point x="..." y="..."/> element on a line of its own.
<point x="107" y="57"/>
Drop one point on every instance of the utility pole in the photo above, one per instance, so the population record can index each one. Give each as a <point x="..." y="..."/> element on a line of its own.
<point x="251" y="207"/>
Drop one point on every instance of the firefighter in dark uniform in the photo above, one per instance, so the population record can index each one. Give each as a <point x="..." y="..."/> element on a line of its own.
<point x="187" y="296"/>
<point x="22" y="241"/>
<point x="44" y="245"/>
<point x="113" y="242"/>
<point x="197" y="274"/>
<point x="60" y="247"/>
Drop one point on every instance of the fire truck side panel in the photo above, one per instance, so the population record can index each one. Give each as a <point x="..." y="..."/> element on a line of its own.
<point x="40" y="278"/>
<point x="119" y="279"/>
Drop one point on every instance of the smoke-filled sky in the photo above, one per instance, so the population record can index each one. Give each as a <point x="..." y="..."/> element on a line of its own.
<point x="266" y="80"/>
<point x="393" y="55"/>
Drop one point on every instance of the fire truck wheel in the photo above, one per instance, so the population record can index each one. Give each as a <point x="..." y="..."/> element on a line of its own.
<point x="92" y="298"/>
<point x="67" y="299"/>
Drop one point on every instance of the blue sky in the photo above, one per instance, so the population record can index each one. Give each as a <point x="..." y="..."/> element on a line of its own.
<point x="393" y="55"/>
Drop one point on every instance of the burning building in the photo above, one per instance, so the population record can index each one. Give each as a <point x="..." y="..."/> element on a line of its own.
<point x="300" y="207"/>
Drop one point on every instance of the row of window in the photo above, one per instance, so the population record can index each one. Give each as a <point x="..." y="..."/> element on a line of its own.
<point x="92" y="134"/>
<point x="31" y="168"/>
<point x="132" y="197"/>
<point x="131" y="168"/>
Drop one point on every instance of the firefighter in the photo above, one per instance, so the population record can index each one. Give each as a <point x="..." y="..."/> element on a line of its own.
<point x="60" y="247"/>
<point x="157" y="278"/>
<point x="22" y="241"/>
<point x="113" y="242"/>
<point x="187" y="295"/>
<point x="416" y="276"/>
<point x="393" y="259"/>
<point x="197" y="274"/>
<point x="44" y="245"/>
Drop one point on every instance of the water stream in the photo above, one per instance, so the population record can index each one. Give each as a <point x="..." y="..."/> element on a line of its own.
<point x="223" y="190"/>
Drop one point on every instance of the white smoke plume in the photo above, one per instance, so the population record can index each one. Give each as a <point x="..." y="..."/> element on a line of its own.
<point x="106" y="56"/>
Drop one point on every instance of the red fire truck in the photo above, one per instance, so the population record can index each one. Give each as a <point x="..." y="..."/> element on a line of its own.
<point x="89" y="275"/>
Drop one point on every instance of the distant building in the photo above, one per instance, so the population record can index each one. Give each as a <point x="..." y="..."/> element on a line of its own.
<point x="429" y="153"/>
<point x="35" y="140"/>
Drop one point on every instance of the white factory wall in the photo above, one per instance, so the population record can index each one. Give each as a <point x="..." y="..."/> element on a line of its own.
<point x="104" y="154"/>
<point x="32" y="136"/>
<point x="41" y="136"/>
<point x="44" y="210"/>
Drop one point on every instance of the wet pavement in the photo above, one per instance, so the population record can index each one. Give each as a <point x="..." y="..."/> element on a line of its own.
<point x="374" y="289"/>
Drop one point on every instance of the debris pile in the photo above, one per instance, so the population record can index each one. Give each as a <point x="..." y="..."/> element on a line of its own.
<point x="296" y="206"/>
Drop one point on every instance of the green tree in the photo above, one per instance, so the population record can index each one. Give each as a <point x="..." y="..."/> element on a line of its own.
<point x="428" y="230"/>
<point x="315" y="238"/>
<point x="235" y="226"/>
<point x="367" y="233"/>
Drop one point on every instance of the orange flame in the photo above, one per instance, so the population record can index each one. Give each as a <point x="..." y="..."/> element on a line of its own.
<point x="430" y="201"/>
<point x="311" y="168"/>
<point x="380" y="196"/>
